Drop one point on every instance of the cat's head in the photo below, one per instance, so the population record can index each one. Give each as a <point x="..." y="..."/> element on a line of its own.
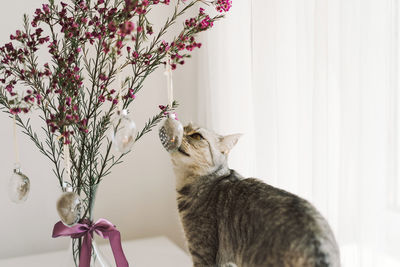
<point x="202" y="151"/>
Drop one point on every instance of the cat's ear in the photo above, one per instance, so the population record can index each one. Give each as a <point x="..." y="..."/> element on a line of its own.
<point x="226" y="143"/>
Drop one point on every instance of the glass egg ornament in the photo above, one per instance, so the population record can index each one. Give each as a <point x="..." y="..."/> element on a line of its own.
<point x="123" y="132"/>
<point x="171" y="134"/>
<point x="19" y="186"/>
<point x="69" y="207"/>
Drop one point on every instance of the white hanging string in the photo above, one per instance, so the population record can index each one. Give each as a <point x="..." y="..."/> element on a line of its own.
<point x="67" y="164"/>
<point x="170" y="83"/>
<point x="16" y="146"/>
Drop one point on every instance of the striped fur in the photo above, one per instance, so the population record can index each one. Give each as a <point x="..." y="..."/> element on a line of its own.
<point x="232" y="221"/>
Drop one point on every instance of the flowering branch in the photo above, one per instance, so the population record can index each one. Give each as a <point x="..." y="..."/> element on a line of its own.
<point x="88" y="44"/>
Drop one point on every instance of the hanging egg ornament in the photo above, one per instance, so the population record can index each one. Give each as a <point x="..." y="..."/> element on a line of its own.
<point x="171" y="134"/>
<point x="18" y="186"/>
<point x="123" y="132"/>
<point x="69" y="207"/>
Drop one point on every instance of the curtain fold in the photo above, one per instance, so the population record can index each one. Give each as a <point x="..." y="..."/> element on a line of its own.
<point x="312" y="85"/>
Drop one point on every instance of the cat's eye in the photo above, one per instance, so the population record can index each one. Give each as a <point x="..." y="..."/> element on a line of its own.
<point x="196" y="136"/>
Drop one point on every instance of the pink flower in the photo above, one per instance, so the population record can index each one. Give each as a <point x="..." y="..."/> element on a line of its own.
<point x="82" y="5"/>
<point x="112" y="27"/>
<point x="15" y="111"/>
<point x="223" y="5"/>
<point x="206" y="23"/>
<point x="68" y="101"/>
<point x="131" y="94"/>
<point x="46" y="8"/>
<point x="119" y="44"/>
<point x="126" y="28"/>
<point x="39" y="31"/>
<point x="88" y="35"/>
<point x="103" y="77"/>
<point x="149" y="30"/>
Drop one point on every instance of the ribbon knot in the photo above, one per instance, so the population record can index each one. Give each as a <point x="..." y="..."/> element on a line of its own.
<point x="85" y="229"/>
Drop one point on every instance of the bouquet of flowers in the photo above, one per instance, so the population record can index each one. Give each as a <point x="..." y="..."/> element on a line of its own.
<point x="76" y="89"/>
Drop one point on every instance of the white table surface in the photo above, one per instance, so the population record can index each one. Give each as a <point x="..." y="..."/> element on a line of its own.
<point x="157" y="251"/>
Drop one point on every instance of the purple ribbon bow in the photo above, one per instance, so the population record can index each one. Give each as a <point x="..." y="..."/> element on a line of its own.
<point x="103" y="228"/>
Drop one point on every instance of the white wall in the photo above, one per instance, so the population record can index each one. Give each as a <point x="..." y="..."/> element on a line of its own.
<point x="139" y="195"/>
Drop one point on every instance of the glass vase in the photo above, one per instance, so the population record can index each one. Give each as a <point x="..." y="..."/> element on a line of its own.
<point x="88" y="198"/>
<point x="97" y="259"/>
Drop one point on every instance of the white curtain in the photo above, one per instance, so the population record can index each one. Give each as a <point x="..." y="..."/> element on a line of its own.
<point x="313" y="86"/>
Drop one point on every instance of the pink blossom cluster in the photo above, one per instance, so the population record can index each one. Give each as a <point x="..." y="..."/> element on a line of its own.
<point x="206" y="23"/>
<point x="223" y="5"/>
<point x="186" y="40"/>
<point x="200" y="23"/>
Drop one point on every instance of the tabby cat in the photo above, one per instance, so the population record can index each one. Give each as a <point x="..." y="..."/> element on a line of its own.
<point x="232" y="221"/>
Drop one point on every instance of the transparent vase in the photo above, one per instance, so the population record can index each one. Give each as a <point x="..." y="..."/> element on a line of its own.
<point x="97" y="258"/>
<point x="88" y="197"/>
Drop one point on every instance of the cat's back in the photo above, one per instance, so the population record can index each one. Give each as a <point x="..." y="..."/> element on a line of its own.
<point x="260" y="225"/>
